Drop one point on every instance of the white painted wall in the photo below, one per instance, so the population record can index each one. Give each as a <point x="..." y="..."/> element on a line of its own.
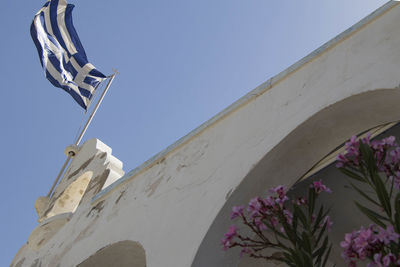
<point x="176" y="205"/>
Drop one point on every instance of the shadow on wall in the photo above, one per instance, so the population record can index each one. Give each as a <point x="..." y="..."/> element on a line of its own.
<point x="71" y="197"/>
<point x="122" y="254"/>
<point x="346" y="217"/>
<point x="293" y="156"/>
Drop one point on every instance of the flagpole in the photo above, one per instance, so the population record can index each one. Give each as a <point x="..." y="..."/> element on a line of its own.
<point x="79" y="139"/>
<point x="59" y="174"/>
<point x="94" y="111"/>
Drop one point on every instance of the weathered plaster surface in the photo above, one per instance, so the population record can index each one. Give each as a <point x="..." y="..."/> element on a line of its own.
<point x="91" y="170"/>
<point x="174" y="205"/>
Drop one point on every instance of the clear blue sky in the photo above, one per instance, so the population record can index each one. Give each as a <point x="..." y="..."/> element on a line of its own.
<point x="181" y="62"/>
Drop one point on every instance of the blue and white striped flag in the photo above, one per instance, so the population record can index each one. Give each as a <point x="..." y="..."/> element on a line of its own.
<point x="61" y="53"/>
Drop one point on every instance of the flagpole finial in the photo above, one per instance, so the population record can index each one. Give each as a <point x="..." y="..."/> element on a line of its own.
<point x="115" y="71"/>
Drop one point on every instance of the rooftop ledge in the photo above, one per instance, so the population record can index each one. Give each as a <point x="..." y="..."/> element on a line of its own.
<point x="247" y="98"/>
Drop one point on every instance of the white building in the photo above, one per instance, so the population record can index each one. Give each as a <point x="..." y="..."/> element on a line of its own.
<point x="172" y="211"/>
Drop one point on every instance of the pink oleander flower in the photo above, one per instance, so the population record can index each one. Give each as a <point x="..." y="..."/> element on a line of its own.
<point x="281" y="201"/>
<point x="328" y="222"/>
<point x="274" y="221"/>
<point x="386" y="153"/>
<point x="367" y="243"/>
<point x="387" y="235"/>
<point x="301" y="201"/>
<point x="259" y="224"/>
<point x="228" y="236"/>
<point x="352" y="154"/>
<point x="245" y="250"/>
<point x="389" y="141"/>
<point x="254" y="207"/>
<point x="281" y="192"/>
<point x="352" y="151"/>
<point x="269" y="201"/>
<point x="319" y="187"/>
<point x="395" y="155"/>
<point x="353" y="142"/>
<point x="347" y="245"/>
<point x="385" y="261"/>
<point x="377" y="260"/>
<point x="271" y="214"/>
<point x="341" y="161"/>
<point x="237" y="211"/>
<point x="288" y="216"/>
<point x="388" y="259"/>
<point x="396" y="180"/>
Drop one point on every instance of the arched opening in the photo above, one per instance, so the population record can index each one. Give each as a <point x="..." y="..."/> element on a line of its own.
<point x="294" y="156"/>
<point x="346" y="217"/>
<point x="69" y="200"/>
<point x="122" y="254"/>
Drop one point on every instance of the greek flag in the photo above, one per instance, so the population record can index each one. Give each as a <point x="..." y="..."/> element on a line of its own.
<point x="61" y="53"/>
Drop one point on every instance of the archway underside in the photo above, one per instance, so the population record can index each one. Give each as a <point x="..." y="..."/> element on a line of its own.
<point x="296" y="154"/>
<point x="123" y="254"/>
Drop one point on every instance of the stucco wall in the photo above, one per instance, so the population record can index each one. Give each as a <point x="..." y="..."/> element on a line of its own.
<point x="175" y="205"/>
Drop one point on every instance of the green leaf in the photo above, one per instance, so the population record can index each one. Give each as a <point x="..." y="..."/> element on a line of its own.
<point x="276" y="232"/>
<point x="397" y="203"/>
<point x="321" y="250"/>
<point x="321" y="233"/>
<point x="289" y="259"/>
<point x="397" y="222"/>
<point x="298" y="260"/>
<point x="397" y="214"/>
<point x="307" y="258"/>
<point x="372" y="215"/>
<point x="367" y="156"/>
<point x="364" y="194"/>
<point x="300" y="215"/>
<point x="288" y="256"/>
<point x="306" y="243"/>
<point x="311" y="201"/>
<point x="325" y="214"/>
<point x="327" y="256"/>
<point x="394" y="247"/>
<point x="391" y="189"/>
<point x="318" y="220"/>
<point x="352" y="175"/>
<point x="295" y="220"/>
<point x="382" y="193"/>
<point x="288" y="230"/>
